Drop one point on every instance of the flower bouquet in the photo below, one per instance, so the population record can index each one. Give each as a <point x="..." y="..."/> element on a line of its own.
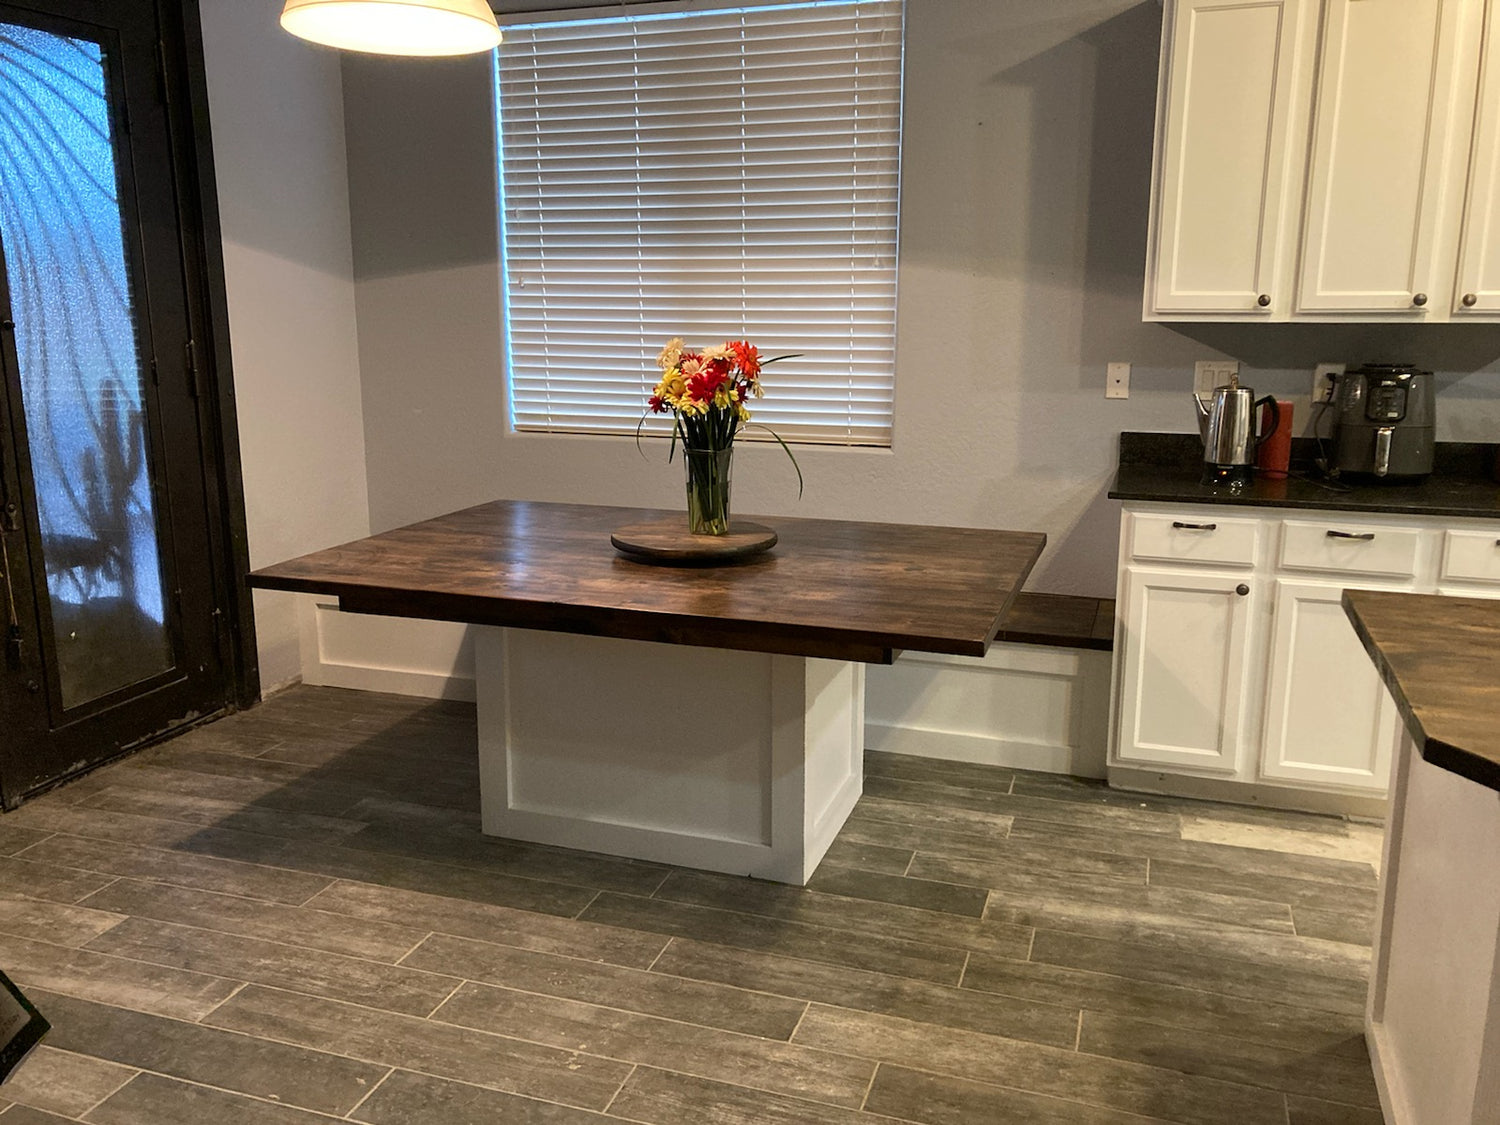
<point x="706" y="393"/>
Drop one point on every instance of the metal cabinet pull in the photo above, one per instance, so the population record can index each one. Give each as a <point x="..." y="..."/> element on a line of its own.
<point x="1242" y="589"/>
<point x="1264" y="300"/>
<point x="1363" y="537"/>
<point x="1194" y="526"/>
<point x="1470" y="300"/>
<point x="1419" y="300"/>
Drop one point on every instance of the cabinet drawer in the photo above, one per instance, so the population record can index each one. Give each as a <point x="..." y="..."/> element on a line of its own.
<point x="1471" y="556"/>
<point x="1210" y="540"/>
<point x="1341" y="548"/>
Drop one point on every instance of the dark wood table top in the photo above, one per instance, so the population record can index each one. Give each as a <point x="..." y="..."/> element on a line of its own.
<point x="830" y="588"/>
<point x="1440" y="657"/>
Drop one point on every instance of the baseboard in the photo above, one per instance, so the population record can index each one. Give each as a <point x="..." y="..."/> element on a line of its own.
<point x="1246" y="793"/>
<point x="953" y="746"/>
<point x="1393" y="1105"/>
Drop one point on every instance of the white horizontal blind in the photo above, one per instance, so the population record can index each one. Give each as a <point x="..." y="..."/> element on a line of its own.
<point x="728" y="174"/>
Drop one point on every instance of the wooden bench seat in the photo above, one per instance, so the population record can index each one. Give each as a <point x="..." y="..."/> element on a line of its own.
<point x="1060" y="620"/>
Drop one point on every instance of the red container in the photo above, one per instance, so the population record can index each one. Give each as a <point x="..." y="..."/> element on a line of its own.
<point x="1275" y="453"/>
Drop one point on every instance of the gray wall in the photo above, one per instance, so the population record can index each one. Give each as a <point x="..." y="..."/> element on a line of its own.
<point x="277" y="116"/>
<point x="1026" y="167"/>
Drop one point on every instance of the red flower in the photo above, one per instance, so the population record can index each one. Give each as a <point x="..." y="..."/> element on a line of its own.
<point x="657" y="404"/>
<point x="701" y="387"/>
<point x="746" y="357"/>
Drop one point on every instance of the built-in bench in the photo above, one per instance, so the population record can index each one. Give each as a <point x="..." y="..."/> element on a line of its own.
<point x="1060" y="620"/>
<point x="1039" y="700"/>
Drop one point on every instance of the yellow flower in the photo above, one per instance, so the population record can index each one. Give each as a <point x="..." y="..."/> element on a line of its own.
<point x="670" y="354"/>
<point x="744" y="412"/>
<point x="673" y="386"/>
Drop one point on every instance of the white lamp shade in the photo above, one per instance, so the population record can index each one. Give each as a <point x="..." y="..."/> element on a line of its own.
<point x="395" y="27"/>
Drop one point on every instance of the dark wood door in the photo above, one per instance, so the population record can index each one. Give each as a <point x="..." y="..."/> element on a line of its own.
<point x="113" y="598"/>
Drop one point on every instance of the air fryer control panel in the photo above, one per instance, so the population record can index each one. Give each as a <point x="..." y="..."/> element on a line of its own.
<point x="1386" y="400"/>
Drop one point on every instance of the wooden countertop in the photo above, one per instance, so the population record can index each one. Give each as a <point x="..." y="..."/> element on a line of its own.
<point x="1440" y="657"/>
<point x="830" y="588"/>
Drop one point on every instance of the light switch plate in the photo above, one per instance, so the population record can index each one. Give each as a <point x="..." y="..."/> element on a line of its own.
<point x="1117" y="381"/>
<point x="1211" y="373"/>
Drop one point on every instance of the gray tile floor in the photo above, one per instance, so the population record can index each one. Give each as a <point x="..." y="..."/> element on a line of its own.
<point x="290" y="916"/>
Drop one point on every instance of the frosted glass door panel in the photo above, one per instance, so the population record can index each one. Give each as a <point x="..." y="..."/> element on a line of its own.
<point x="80" y="364"/>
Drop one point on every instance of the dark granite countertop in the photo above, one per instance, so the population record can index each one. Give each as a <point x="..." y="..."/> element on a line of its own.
<point x="1169" y="467"/>
<point x="1440" y="657"/>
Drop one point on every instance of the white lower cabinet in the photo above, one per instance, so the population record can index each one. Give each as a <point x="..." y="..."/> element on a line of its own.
<point x="1183" y="691"/>
<point x="1328" y="718"/>
<point x="1234" y="660"/>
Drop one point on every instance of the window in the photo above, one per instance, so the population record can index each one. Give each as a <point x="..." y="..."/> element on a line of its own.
<point x="725" y="174"/>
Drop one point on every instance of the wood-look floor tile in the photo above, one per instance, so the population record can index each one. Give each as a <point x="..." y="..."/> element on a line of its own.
<point x="935" y="1099"/>
<point x="1340" y="839"/>
<point x="54" y="922"/>
<point x="1061" y="1073"/>
<point x="502" y="925"/>
<point x="154" y="1100"/>
<point x="331" y="863"/>
<point x="570" y="1073"/>
<point x="293" y="925"/>
<point x="1192" y="1006"/>
<point x="488" y="853"/>
<point x="935" y="818"/>
<point x="1014" y="1017"/>
<point x="412" y="783"/>
<point x="287" y="1074"/>
<point x="23" y="875"/>
<point x="659" y="1097"/>
<point x="1036" y="808"/>
<point x="633" y="990"/>
<point x="306" y="797"/>
<point x="14" y="837"/>
<point x="204" y="872"/>
<point x="98" y="977"/>
<point x="1314" y="987"/>
<point x="25" y="1115"/>
<point x="228" y="738"/>
<point x="1338" y="1073"/>
<point x="886" y="920"/>
<point x="965" y="775"/>
<point x="92" y="822"/>
<point x="417" y="1099"/>
<point x="207" y="813"/>
<point x="770" y="935"/>
<point x="867" y="856"/>
<point x="686" y="1048"/>
<point x="1223" y="857"/>
<point x="1185" y="913"/>
<point x="1315" y="1111"/>
<point x="1053" y="858"/>
<point x="1272" y="888"/>
<point x="64" y="1082"/>
<point x="395" y="988"/>
<point x="1331" y="925"/>
<point x="922" y="892"/>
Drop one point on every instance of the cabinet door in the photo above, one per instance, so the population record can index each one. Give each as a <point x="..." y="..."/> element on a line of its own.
<point x="1186" y="660"/>
<point x="1478" y="291"/>
<point x="1222" y="153"/>
<point x="1329" y="720"/>
<point x="1387" y="139"/>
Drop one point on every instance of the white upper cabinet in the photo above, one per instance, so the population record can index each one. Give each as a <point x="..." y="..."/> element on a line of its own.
<point x="1376" y="198"/>
<point x="1478" y="291"/>
<point x="1223" y="156"/>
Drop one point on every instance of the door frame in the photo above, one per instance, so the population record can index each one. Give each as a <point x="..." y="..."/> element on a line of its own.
<point x="186" y="76"/>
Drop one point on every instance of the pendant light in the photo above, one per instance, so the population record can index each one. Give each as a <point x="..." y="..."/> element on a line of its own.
<point x="395" y="27"/>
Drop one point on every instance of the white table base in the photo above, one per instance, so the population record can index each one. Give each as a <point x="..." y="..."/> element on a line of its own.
<point x="726" y="761"/>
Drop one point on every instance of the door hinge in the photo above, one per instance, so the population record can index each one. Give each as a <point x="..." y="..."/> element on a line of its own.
<point x="195" y="380"/>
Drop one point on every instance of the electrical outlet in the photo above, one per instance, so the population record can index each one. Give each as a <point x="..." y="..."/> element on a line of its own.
<point x="1209" y="374"/>
<point x="1117" y="381"/>
<point x="1323" y="377"/>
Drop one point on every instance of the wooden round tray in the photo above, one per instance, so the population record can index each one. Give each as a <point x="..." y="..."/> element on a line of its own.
<point x="669" y="541"/>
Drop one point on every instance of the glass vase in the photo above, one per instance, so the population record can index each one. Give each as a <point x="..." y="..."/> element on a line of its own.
<point x="708" y="490"/>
